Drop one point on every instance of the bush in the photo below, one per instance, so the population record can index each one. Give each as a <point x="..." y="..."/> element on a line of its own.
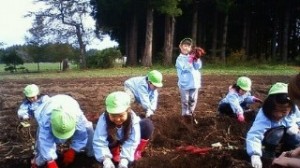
<point x="103" y="59"/>
<point x="13" y="69"/>
<point x="236" y="57"/>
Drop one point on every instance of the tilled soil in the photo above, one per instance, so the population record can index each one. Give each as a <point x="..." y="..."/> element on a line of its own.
<point x="170" y="133"/>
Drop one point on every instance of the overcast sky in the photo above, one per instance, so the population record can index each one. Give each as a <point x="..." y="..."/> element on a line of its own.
<point x="14" y="27"/>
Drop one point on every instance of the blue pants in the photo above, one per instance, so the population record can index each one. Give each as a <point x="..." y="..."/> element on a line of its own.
<point x="146" y="128"/>
<point x="89" y="145"/>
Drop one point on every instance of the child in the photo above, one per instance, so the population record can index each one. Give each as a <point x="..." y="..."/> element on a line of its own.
<point x="61" y="119"/>
<point x="143" y="89"/>
<point x="120" y="135"/>
<point x="275" y="123"/>
<point x="33" y="100"/>
<point x="238" y="99"/>
<point x="189" y="78"/>
<point x="291" y="158"/>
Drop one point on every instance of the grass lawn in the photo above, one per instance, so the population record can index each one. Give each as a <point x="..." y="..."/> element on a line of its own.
<point x="51" y="70"/>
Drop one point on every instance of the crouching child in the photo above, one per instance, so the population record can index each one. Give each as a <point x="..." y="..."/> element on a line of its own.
<point x="120" y="135"/>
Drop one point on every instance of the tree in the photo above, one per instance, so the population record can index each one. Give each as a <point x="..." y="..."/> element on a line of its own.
<point x="147" y="56"/>
<point x="11" y="58"/>
<point x="36" y="53"/>
<point x="225" y="7"/>
<point x="111" y="19"/>
<point x="63" y="21"/>
<point x="171" y="10"/>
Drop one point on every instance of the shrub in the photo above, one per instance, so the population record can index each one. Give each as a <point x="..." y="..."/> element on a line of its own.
<point x="103" y="59"/>
<point x="236" y="57"/>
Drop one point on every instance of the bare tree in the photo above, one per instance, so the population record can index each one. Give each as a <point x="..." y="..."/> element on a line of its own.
<point x="63" y="21"/>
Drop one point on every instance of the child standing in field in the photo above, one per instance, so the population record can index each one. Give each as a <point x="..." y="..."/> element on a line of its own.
<point x="238" y="99"/>
<point x="143" y="90"/>
<point x="120" y="135"/>
<point x="189" y="78"/>
<point x="275" y="123"/>
<point x="33" y="100"/>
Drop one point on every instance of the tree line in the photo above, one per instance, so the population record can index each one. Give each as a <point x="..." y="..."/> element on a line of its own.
<point x="150" y="30"/>
<point x="15" y="56"/>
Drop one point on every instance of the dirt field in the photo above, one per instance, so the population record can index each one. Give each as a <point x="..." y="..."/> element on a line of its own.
<point x="170" y="131"/>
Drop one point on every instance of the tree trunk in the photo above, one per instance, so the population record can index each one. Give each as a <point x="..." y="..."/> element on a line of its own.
<point x="38" y="66"/>
<point x="274" y="40"/>
<point x="169" y="37"/>
<point x="286" y="32"/>
<point x="132" y="42"/>
<point x="82" y="61"/>
<point x="195" y="24"/>
<point x="215" y="36"/>
<point x="223" y="48"/>
<point x="245" y="35"/>
<point x="147" y="57"/>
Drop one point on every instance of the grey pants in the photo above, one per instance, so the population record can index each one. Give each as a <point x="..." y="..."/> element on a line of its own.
<point x="188" y="101"/>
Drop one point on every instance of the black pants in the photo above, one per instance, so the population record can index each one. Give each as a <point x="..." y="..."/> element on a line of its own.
<point x="225" y="108"/>
<point x="146" y="128"/>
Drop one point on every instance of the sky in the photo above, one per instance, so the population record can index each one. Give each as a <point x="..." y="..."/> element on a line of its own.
<point x="14" y="27"/>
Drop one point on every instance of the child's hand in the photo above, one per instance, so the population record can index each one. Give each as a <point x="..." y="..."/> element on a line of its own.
<point x="240" y="117"/>
<point x="256" y="161"/>
<point x="294" y="153"/>
<point x="123" y="163"/>
<point x="281" y="160"/>
<point x="294" y="129"/>
<point x="192" y="58"/>
<point x="257" y="100"/>
<point x="107" y="163"/>
<point x="149" y="113"/>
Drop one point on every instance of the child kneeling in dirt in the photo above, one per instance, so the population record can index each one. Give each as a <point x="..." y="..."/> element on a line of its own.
<point x="120" y="135"/>
<point x="33" y="100"/>
<point x="59" y="120"/>
<point x="143" y="90"/>
<point x="291" y="158"/>
<point x="274" y="126"/>
<point x="238" y="99"/>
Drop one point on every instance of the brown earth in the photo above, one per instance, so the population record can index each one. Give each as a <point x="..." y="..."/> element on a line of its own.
<point x="170" y="131"/>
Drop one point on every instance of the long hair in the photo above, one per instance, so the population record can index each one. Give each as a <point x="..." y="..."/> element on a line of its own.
<point x="236" y="87"/>
<point x="271" y="101"/>
<point x="112" y="130"/>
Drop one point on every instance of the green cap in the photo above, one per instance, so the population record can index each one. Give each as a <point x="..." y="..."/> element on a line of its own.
<point x="31" y="90"/>
<point x="244" y="83"/>
<point x="155" y="77"/>
<point x="63" y="124"/>
<point x="278" y="88"/>
<point x="117" y="102"/>
<point x="188" y="41"/>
